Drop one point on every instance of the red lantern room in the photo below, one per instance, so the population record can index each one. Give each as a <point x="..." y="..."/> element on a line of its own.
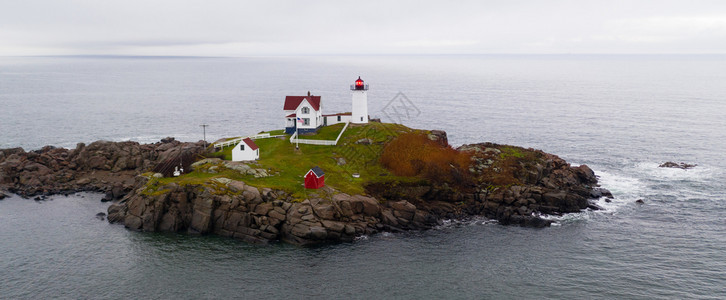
<point x="359" y="85"/>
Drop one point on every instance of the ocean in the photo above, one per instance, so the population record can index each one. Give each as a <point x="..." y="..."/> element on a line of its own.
<point x="622" y="115"/>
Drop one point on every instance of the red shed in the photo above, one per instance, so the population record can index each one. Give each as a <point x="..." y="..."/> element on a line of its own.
<point x="315" y="178"/>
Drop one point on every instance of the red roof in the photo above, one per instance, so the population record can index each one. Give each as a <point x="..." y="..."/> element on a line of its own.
<point x="292" y="102"/>
<point x="250" y="143"/>
<point x="291" y="116"/>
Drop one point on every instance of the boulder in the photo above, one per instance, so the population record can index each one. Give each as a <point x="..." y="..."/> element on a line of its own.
<point x="223" y="180"/>
<point x="301" y="230"/>
<point x="366" y="205"/>
<point x="236" y="186"/>
<point x="199" y="163"/>
<point x="681" y="165"/>
<point x="403" y="209"/>
<point x="388" y="218"/>
<point x="168" y="139"/>
<point x="116" y="212"/>
<point x="586" y="174"/>
<point x="440" y="137"/>
<point x="364" y="141"/>
<point x="323" y="209"/>
<point x="277" y="215"/>
<point x="318" y="232"/>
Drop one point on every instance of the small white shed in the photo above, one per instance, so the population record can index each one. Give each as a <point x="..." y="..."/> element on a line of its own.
<point x="245" y="150"/>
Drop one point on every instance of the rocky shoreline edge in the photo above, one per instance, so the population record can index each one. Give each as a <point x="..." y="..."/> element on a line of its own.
<point x="233" y="208"/>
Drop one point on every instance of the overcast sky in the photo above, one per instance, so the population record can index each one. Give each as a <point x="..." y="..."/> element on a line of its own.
<point x="242" y="28"/>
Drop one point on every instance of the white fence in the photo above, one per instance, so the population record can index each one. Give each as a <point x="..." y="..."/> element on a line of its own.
<point x="294" y="139"/>
<point x="236" y="141"/>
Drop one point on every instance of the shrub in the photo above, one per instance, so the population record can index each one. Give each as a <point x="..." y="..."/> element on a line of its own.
<point x="414" y="154"/>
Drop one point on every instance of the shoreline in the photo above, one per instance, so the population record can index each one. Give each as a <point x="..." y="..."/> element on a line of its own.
<point x="226" y="204"/>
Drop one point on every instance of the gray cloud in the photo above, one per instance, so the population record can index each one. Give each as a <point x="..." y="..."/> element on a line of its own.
<point x="235" y="28"/>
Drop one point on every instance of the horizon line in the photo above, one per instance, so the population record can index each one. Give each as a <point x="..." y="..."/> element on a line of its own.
<point x="359" y="54"/>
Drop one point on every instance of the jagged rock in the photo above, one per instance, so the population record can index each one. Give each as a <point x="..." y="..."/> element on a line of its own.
<point x="364" y="141"/>
<point x="223" y="180"/>
<point x="585" y="174"/>
<point x="199" y="163"/>
<point x="403" y="209"/>
<point x="439" y="136"/>
<point x="259" y="173"/>
<point x="324" y="211"/>
<point x="238" y="166"/>
<point x="600" y="192"/>
<point x="539" y="183"/>
<point x="236" y="186"/>
<point x="318" y="232"/>
<point x="681" y="165"/>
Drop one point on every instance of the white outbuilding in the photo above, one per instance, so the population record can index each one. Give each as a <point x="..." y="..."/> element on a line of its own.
<point x="245" y="150"/>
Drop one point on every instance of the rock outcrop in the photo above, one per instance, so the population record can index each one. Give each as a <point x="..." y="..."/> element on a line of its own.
<point x="545" y="184"/>
<point x="529" y="185"/>
<point x="510" y="184"/>
<point x="108" y="167"/>
<point x="681" y="165"/>
<point x="232" y="208"/>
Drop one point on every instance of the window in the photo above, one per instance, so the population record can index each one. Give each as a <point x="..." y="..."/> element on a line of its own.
<point x="305" y="110"/>
<point x="306" y="121"/>
<point x="361" y="119"/>
<point x="338" y="118"/>
<point x="242" y="147"/>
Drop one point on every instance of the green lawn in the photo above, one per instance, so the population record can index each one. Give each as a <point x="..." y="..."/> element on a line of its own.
<point x="325" y="133"/>
<point x="288" y="165"/>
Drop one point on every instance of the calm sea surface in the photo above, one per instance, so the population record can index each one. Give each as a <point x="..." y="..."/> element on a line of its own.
<point x="621" y="115"/>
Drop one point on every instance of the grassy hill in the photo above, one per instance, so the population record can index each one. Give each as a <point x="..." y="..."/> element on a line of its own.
<point x="358" y="151"/>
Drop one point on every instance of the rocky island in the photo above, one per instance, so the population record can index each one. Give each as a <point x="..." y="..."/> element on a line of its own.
<point x="406" y="179"/>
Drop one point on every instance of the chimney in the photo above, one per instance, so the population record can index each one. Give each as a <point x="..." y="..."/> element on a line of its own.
<point x="308" y="93"/>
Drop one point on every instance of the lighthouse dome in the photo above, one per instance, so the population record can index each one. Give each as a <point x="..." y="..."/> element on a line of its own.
<point x="359" y="85"/>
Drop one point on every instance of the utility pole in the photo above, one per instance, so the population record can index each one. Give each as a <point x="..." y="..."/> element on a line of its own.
<point x="204" y="130"/>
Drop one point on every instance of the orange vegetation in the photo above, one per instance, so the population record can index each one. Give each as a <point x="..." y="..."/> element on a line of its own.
<point x="414" y="154"/>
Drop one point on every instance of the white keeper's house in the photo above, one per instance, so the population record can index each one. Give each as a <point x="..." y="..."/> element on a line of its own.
<point x="304" y="113"/>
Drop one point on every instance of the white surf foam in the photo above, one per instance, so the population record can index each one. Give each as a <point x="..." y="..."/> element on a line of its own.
<point x="651" y="170"/>
<point x="626" y="190"/>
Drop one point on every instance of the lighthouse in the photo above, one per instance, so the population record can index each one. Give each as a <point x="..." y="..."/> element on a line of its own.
<point x="360" y="102"/>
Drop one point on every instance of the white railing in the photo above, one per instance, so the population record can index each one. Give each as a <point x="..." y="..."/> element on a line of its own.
<point x="236" y="141"/>
<point x="294" y="139"/>
<point x="293" y="136"/>
<point x="314" y="142"/>
<point x="341" y="132"/>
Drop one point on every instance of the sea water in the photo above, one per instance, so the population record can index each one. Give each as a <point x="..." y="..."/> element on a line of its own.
<point x="622" y="115"/>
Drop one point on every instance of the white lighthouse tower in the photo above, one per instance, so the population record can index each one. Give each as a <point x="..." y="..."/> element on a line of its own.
<point x="360" y="102"/>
